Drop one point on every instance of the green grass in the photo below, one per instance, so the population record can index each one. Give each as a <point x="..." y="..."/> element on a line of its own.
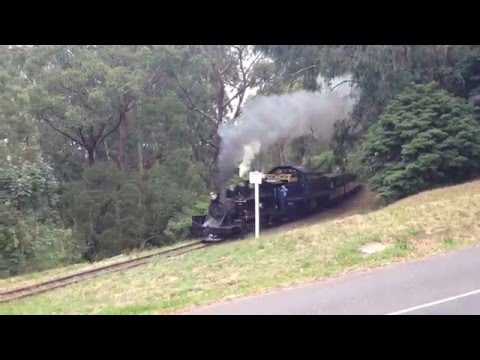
<point x="418" y="226"/>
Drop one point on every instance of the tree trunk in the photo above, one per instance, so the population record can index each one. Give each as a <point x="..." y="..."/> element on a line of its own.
<point x="107" y="155"/>
<point x="91" y="156"/>
<point x="140" y="156"/>
<point x="122" y="139"/>
<point x="138" y="123"/>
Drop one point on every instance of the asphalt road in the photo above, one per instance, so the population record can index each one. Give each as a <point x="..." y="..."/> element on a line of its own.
<point x="441" y="285"/>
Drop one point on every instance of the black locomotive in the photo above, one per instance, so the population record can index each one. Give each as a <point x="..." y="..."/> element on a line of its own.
<point x="287" y="193"/>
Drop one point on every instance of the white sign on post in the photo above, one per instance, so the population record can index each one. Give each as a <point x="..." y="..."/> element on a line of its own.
<point x="256" y="179"/>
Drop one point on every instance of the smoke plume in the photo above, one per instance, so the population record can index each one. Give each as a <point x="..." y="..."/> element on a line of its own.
<point x="249" y="152"/>
<point x="286" y="117"/>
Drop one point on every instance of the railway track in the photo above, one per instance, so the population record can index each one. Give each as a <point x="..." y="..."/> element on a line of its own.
<point x="48" y="285"/>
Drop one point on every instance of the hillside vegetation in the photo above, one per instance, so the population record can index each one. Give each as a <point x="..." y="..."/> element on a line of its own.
<point x="109" y="149"/>
<point x="427" y="223"/>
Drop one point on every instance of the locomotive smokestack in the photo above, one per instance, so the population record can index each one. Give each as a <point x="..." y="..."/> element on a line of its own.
<point x="223" y="193"/>
<point x="220" y="185"/>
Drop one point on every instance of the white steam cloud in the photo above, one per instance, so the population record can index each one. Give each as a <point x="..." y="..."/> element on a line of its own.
<point x="249" y="152"/>
<point x="269" y="119"/>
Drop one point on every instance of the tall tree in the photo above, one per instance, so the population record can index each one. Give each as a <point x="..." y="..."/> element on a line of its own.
<point x="85" y="92"/>
<point x="213" y="83"/>
<point x="28" y="189"/>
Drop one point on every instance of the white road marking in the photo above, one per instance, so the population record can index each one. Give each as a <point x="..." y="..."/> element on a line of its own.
<point x="433" y="303"/>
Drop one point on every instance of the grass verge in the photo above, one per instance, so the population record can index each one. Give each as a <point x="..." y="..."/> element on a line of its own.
<point x="36" y="277"/>
<point x="418" y="226"/>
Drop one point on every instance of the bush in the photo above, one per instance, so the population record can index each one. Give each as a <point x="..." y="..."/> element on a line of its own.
<point x="113" y="212"/>
<point x="425" y="137"/>
<point x="29" y="238"/>
<point x="325" y="161"/>
<point x="178" y="227"/>
<point x="27" y="245"/>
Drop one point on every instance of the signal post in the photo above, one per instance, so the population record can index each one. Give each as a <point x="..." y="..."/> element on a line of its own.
<point x="256" y="179"/>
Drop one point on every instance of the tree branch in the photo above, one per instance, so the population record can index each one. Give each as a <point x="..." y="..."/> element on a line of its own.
<point x="83" y="101"/>
<point x="129" y="106"/>
<point x="302" y="70"/>
<point x="192" y="105"/>
<point x="209" y="142"/>
<point x="96" y="138"/>
<point x="208" y="57"/>
<point x="258" y="57"/>
<point x="80" y="134"/>
<point x="344" y="81"/>
<point x="245" y="79"/>
<point x="81" y="143"/>
<point x="111" y="131"/>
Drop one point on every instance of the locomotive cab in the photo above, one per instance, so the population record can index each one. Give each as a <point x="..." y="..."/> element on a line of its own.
<point x="296" y="185"/>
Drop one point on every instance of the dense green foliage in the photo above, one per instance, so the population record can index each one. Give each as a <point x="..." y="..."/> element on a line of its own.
<point x="425" y="137"/>
<point x="106" y="148"/>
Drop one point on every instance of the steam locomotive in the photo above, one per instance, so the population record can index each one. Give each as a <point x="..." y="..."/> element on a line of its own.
<point x="287" y="193"/>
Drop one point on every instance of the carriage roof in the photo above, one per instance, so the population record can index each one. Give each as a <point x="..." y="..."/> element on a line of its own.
<point x="299" y="168"/>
